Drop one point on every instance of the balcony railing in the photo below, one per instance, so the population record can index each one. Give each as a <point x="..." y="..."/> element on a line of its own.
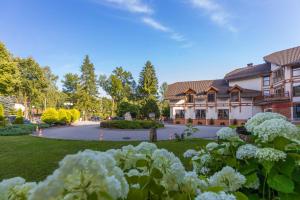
<point x="272" y="97"/>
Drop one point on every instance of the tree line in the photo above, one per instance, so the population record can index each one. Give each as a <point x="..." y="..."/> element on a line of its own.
<point x="36" y="88"/>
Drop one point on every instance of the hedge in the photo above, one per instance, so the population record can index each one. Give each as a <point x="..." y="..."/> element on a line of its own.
<point x="20" y="129"/>
<point x="135" y="124"/>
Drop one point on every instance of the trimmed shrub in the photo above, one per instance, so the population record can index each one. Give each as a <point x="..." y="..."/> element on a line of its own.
<point x="50" y="116"/>
<point x="75" y="115"/>
<point x="135" y="124"/>
<point x="19" y="119"/>
<point x="20" y="129"/>
<point x="1" y="113"/>
<point x="63" y="117"/>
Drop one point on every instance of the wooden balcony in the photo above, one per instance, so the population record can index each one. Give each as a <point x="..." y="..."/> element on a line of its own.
<point x="262" y="100"/>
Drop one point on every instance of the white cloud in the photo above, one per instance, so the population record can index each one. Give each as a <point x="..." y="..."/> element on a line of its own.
<point x="135" y="6"/>
<point x="145" y="14"/>
<point x="155" y="24"/>
<point x="216" y="12"/>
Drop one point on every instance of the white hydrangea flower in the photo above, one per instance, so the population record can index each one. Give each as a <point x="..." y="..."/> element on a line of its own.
<point x="192" y="184"/>
<point x="205" y="158"/>
<point x="260" y="118"/>
<point x="171" y="165"/>
<point x="228" y="178"/>
<point x="190" y="153"/>
<point x="215" y="196"/>
<point x="229" y="134"/>
<point x="270" y="154"/>
<point x="15" y="188"/>
<point x="82" y="174"/>
<point x="270" y="129"/>
<point x="246" y="151"/>
<point x="211" y="146"/>
<point x="146" y="148"/>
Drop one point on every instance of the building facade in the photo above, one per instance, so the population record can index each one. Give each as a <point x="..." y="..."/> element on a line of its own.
<point x="273" y="86"/>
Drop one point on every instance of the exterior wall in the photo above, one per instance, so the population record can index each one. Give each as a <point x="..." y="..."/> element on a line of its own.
<point x="253" y="83"/>
<point x="281" y="108"/>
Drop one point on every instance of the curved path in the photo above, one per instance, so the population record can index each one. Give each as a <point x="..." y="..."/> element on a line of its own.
<point x="94" y="132"/>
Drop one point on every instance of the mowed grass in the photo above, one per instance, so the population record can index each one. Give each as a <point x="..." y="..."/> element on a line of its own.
<point x="35" y="158"/>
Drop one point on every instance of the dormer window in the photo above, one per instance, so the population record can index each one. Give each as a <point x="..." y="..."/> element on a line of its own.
<point x="234" y="97"/>
<point x="211" y="97"/>
<point x="190" y="98"/>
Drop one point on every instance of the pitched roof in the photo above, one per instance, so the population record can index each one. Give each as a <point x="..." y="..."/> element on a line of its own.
<point x="249" y="71"/>
<point x="284" y="57"/>
<point x="177" y="90"/>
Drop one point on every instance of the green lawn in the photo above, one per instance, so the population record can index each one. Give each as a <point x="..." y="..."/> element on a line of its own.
<point x="35" y="158"/>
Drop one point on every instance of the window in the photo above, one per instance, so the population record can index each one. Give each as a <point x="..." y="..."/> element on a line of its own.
<point x="279" y="91"/>
<point x="296" y="109"/>
<point x="278" y="75"/>
<point x="223" y="114"/>
<point x="200" y="114"/>
<point x="179" y="113"/>
<point x="296" y="71"/>
<point x="234" y="96"/>
<point x="266" y="93"/>
<point x="266" y="81"/>
<point x="190" y="98"/>
<point x="296" y="89"/>
<point x="211" y="97"/>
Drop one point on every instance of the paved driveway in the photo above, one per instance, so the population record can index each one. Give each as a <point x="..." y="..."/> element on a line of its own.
<point x="94" y="132"/>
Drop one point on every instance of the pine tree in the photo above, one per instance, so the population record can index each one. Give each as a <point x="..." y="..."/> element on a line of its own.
<point x="148" y="83"/>
<point x="88" y="77"/>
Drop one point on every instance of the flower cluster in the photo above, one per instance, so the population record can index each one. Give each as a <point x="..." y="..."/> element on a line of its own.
<point x="15" y="188"/>
<point x="270" y="154"/>
<point x="228" y="134"/>
<point x="260" y="118"/>
<point x="246" y="151"/>
<point x="270" y="129"/>
<point x="81" y="175"/>
<point x="215" y="196"/>
<point x="228" y="178"/>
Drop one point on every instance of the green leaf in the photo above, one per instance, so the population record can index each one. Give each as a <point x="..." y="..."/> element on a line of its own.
<point x="92" y="196"/>
<point x="156" y="188"/>
<point x="296" y="175"/>
<point x="240" y="196"/>
<point x="280" y="143"/>
<point x="156" y="173"/>
<point x="253" y="197"/>
<point x="251" y="179"/>
<point x="180" y="196"/>
<point x="286" y="167"/>
<point x="231" y="162"/>
<point x="249" y="168"/>
<point x="215" y="189"/>
<point x="294" y="196"/>
<point x="141" y="163"/>
<point x="136" y="194"/>
<point x="267" y="165"/>
<point x="281" y="183"/>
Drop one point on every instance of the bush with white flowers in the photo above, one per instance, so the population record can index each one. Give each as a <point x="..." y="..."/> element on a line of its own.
<point x="265" y="166"/>
<point x="139" y="172"/>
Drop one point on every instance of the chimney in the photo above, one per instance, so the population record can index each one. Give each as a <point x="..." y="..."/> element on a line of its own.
<point x="250" y="65"/>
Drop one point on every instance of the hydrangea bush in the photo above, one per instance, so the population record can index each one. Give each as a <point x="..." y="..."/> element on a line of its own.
<point x="140" y="172"/>
<point x="267" y="166"/>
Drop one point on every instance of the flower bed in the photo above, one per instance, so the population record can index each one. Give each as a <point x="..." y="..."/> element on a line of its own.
<point x="134" y="124"/>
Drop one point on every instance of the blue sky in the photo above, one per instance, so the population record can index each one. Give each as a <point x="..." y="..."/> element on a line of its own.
<point x="184" y="39"/>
